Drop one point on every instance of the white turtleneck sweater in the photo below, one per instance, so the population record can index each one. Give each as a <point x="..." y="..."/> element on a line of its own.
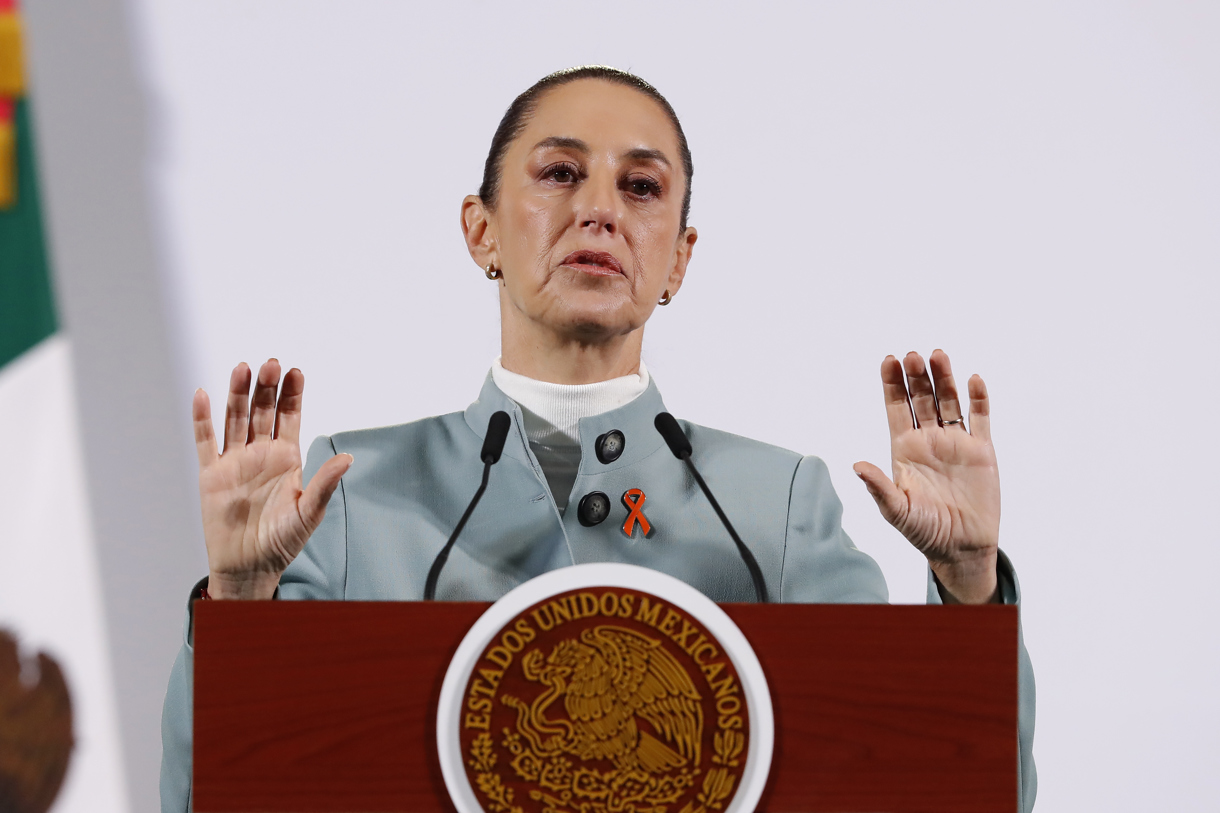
<point x="552" y="414"/>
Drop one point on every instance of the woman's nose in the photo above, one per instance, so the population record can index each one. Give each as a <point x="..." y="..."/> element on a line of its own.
<point x="597" y="206"/>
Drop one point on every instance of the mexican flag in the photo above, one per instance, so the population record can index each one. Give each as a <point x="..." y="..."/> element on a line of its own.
<point x="50" y="591"/>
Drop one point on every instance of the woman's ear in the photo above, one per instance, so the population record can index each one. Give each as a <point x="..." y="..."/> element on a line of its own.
<point x="478" y="228"/>
<point x="683" y="250"/>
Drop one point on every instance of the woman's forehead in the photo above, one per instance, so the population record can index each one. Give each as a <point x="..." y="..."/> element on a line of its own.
<point x="604" y="115"/>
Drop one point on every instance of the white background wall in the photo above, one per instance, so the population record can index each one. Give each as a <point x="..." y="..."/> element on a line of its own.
<point x="1034" y="187"/>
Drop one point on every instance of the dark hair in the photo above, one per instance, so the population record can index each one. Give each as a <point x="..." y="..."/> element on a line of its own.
<point x="519" y="112"/>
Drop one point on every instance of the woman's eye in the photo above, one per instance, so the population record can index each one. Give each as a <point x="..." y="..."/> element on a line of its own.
<point x="643" y="188"/>
<point x="561" y="174"/>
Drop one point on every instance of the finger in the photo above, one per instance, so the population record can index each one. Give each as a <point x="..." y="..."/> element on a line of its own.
<point x="237" y="408"/>
<point x="262" y="405"/>
<point x="897" y="405"/>
<point x="889" y="498"/>
<point x="288" y="409"/>
<point x="317" y="494"/>
<point x="947" y="404"/>
<point x="923" y="398"/>
<point x="205" y="435"/>
<point x="980" y="408"/>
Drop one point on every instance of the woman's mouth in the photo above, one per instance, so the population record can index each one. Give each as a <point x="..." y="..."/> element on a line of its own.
<point x="599" y="263"/>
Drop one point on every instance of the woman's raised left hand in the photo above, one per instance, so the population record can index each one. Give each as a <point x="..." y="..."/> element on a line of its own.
<point x="945" y="495"/>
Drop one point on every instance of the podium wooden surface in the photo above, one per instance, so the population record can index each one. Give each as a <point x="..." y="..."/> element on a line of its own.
<point x="312" y="707"/>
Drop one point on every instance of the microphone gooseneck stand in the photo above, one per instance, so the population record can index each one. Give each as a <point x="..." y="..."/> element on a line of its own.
<point x="493" y="445"/>
<point x="679" y="444"/>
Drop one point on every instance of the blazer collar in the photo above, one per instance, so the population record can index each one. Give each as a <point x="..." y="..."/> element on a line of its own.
<point x="634" y="420"/>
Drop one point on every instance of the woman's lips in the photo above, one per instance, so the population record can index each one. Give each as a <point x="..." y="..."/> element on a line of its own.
<point x="600" y="263"/>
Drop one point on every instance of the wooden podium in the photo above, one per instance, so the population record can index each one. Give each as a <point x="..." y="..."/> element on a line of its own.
<point x="305" y="707"/>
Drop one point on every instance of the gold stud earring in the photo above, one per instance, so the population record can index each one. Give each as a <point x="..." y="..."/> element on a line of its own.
<point x="492" y="273"/>
<point x="665" y="298"/>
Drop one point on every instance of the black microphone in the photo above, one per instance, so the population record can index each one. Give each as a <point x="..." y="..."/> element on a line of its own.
<point x="497" y="433"/>
<point x="493" y="445"/>
<point x="679" y="444"/>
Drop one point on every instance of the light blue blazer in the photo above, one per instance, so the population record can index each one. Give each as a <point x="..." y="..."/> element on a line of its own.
<point x="410" y="483"/>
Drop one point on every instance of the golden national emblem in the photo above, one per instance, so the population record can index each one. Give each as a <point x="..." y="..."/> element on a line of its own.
<point x="604" y="700"/>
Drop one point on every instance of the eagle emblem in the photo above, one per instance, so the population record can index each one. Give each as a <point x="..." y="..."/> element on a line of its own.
<point x="604" y="701"/>
<point x="609" y="680"/>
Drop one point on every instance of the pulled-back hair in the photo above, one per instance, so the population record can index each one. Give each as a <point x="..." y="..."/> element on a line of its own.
<point x="518" y="115"/>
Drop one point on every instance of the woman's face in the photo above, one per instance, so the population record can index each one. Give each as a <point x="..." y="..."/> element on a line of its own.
<point x="587" y="226"/>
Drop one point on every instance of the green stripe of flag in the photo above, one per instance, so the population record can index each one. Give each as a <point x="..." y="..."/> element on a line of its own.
<point x="27" y="302"/>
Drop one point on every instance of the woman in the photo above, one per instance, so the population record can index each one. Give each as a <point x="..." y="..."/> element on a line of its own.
<point x="581" y="223"/>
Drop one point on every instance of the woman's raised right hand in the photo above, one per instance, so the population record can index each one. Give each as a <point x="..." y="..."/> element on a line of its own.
<point x="256" y="517"/>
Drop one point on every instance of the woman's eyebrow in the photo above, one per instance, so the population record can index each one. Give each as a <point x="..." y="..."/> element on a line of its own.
<point x="644" y="154"/>
<point x="563" y="142"/>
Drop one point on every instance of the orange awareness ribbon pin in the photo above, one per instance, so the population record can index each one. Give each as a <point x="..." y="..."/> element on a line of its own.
<point x="634" y="500"/>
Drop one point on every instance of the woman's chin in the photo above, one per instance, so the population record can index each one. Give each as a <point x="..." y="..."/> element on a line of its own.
<point x="597" y="322"/>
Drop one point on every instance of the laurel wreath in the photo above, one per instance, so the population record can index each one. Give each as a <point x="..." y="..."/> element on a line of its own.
<point x="483" y="760"/>
<point x="717" y="783"/>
